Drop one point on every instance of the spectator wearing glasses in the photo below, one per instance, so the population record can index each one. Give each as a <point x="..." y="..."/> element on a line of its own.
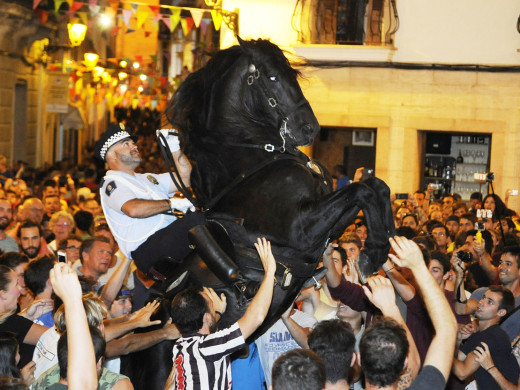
<point x="71" y="246"/>
<point x="61" y="225"/>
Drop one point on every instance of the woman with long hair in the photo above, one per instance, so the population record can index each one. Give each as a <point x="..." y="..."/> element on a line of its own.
<point x="26" y="332"/>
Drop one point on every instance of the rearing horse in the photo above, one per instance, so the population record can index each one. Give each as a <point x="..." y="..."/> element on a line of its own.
<point x="241" y="119"/>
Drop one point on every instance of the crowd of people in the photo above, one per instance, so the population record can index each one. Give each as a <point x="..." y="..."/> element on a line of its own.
<point x="76" y="274"/>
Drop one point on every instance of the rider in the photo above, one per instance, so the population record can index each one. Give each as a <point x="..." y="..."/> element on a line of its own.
<point x="138" y="206"/>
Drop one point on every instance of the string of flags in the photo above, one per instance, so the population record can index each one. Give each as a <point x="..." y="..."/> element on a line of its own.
<point x="134" y="15"/>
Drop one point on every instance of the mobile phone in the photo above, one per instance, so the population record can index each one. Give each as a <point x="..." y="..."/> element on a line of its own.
<point x="62" y="257"/>
<point x="513" y="192"/>
<point x="401" y="196"/>
<point x="436" y="186"/>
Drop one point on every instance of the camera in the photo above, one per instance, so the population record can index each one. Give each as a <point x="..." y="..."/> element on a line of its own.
<point x="401" y="196"/>
<point x="465" y="257"/>
<point x="479" y="226"/>
<point x="436" y="186"/>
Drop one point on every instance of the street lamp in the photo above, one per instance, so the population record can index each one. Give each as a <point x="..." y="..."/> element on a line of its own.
<point x="77" y="33"/>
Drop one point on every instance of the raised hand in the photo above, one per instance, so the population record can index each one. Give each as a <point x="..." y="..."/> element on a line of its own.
<point x="263" y="247"/>
<point x="219" y="302"/>
<point x="409" y="254"/>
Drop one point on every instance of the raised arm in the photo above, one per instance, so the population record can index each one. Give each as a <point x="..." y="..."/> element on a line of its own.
<point x="462" y="304"/>
<point x="82" y="373"/>
<point x="401" y="285"/>
<point x="441" y="349"/>
<point x="332" y="276"/>
<point x="115" y="282"/>
<point x="259" y="306"/>
<point x="298" y="333"/>
<point x="382" y="295"/>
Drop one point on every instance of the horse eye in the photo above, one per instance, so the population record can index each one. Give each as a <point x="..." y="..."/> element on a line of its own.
<point x="273" y="78"/>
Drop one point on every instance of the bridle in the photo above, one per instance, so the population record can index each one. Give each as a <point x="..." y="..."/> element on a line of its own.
<point x="253" y="77"/>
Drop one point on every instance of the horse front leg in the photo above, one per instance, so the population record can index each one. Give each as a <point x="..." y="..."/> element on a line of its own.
<point x="318" y="220"/>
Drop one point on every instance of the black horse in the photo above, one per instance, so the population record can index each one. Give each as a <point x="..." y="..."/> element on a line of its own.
<point x="241" y="119"/>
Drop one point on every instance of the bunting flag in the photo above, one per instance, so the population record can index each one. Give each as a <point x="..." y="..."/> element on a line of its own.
<point x="69" y="2"/>
<point x="92" y="3"/>
<point x="36" y="3"/>
<point x="217" y="18"/>
<point x="127" y="14"/>
<point x="184" y="25"/>
<point x="190" y="23"/>
<point x="76" y="6"/>
<point x="147" y="34"/>
<point x="197" y="15"/>
<point x="153" y="57"/>
<point x="134" y="7"/>
<point x="83" y="17"/>
<point x="141" y="18"/>
<point x="130" y="30"/>
<point x="42" y="15"/>
<point x="175" y="19"/>
<point x="167" y="21"/>
<point x="155" y="9"/>
<point x="57" y="5"/>
<point x="203" y="27"/>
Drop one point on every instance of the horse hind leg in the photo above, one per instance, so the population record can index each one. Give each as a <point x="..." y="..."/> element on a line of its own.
<point x="382" y="192"/>
<point x="377" y="244"/>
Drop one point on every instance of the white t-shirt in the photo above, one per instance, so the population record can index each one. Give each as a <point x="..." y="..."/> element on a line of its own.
<point x="278" y="340"/>
<point x="117" y="189"/>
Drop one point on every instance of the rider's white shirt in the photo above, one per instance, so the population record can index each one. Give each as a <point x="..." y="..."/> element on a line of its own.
<point x="117" y="189"/>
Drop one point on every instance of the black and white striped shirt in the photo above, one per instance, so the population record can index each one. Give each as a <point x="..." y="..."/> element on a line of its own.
<point x="201" y="362"/>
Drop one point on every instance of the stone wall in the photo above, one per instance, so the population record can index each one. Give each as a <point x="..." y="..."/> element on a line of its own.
<point x="400" y="103"/>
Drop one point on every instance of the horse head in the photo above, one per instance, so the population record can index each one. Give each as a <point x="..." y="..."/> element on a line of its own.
<point x="247" y="93"/>
<point x="273" y="93"/>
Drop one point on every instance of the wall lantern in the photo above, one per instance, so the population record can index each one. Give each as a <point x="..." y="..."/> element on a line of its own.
<point x="77" y="33"/>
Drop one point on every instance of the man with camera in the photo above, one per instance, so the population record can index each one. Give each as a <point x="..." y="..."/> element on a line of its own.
<point x="508" y="276"/>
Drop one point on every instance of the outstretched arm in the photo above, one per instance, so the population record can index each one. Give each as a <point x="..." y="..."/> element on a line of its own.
<point x="82" y="373"/>
<point x="382" y="295"/>
<point x="259" y="306"/>
<point x="443" y="344"/>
